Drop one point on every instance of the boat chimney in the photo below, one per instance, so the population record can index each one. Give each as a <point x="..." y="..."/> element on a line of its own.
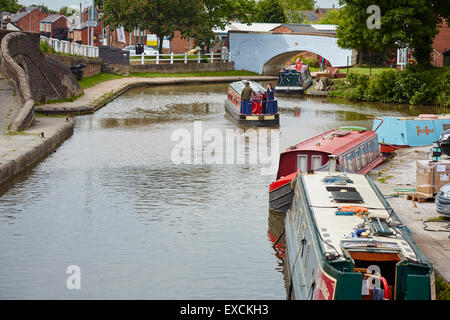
<point x="332" y="164"/>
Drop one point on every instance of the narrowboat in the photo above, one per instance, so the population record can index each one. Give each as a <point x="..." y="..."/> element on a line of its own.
<point x="344" y="242"/>
<point x="403" y="132"/>
<point x="356" y="148"/>
<point x="259" y="112"/>
<point x="292" y="80"/>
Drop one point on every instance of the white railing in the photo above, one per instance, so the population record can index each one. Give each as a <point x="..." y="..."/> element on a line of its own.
<point x="72" y="48"/>
<point x="157" y="57"/>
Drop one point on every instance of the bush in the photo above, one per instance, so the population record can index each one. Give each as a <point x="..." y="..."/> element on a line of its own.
<point x="413" y="86"/>
<point x="46" y="48"/>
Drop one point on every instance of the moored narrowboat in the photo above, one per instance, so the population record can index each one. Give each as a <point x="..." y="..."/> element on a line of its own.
<point x="294" y="79"/>
<point x="356" y="148"/>
<point x="344" y="242"/>
<point x="403" y="132"/>
<point x="258" y="112"/>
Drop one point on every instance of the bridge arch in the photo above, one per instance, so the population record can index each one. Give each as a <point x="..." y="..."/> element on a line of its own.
<point x="274" y="64"/>
<point x="253" y="50"/>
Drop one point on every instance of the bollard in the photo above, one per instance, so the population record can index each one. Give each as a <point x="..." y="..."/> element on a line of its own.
<point x="42" y="135"/>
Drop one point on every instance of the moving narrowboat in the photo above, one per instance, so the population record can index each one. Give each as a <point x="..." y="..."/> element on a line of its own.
<point x="344" y="242"/>
<point x="259" y="112"/>
<point x="292" y="80"/>
<point x="402" y="132"/>
<point x="356" y="148"/>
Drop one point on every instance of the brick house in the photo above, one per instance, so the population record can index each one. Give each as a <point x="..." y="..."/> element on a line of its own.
<point x="441" y="44"/>
<point x="51" y="25"/>
<point x="29" y="19"/>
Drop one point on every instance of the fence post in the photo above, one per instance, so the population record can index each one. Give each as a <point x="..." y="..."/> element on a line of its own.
<point x="185" y="57"/>
<point x="142" y="58"/>
<point x="171" y="57"/>
<point x="198" y="58"/>
<point x="212" y="56"/>
<point x="157" y="57"/>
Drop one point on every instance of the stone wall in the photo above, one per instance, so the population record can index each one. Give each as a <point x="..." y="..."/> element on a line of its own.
<point x="181" y="67"/>
<point x="93" y="66"/>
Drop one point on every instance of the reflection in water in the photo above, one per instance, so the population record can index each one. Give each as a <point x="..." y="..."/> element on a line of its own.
<point x="141" y="227"/>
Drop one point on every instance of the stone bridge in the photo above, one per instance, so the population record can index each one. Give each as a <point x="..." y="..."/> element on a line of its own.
<point x="267" y="52"/>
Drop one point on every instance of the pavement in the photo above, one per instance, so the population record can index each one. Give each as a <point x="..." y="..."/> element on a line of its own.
<point x="99" y="95"/>
<point x="9" y="105"/>
<point x="400" y="172"/>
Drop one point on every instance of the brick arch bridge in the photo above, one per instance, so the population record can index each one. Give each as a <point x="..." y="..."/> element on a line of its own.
<point x="266" y="52"/>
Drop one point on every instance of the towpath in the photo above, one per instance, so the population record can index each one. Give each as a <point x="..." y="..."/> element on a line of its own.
<point x="9" y="105"/>
<point x="400" y="172"/>
<point x="97" y="96"/>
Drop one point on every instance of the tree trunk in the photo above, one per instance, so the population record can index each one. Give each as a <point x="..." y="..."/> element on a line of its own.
<point x="160" y="44"/>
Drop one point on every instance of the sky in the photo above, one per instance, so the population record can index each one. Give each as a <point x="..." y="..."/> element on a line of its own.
<point x="57" y="4"/>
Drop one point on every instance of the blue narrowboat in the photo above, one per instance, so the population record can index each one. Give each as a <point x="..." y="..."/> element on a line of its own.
<point x="259" y="112"/>
<point x="402" y="132"/>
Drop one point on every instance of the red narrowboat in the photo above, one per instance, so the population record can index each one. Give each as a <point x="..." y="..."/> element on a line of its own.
<point x="356" y="150"/>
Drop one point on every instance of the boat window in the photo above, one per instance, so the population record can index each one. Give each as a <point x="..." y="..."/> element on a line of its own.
<point x="349" y="162"/>
<point x="302" y="163"/>
<point x="316" y="162"/>
<point x="357" y="159"/>
<point x="363" y="156"/>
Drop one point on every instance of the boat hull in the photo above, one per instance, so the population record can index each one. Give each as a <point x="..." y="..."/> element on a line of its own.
<point x="254" y="120"/>
<point x="289" y="90"/>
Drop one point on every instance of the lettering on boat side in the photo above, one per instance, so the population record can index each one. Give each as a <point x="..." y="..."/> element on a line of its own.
<point x="424" y="130"/>
<point x="325" y="286"/>
<point x="234" y="146"/>
<point x="228" y="309"/>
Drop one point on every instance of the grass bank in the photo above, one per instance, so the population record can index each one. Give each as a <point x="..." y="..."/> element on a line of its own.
<point x="101" y="77"/>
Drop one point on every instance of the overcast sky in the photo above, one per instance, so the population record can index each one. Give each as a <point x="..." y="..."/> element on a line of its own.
<point x="57" y="4"/>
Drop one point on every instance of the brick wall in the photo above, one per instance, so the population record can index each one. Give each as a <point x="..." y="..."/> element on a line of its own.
<point x="93" y="66"/>
<point x="34" y="17"/>
<point x="441" y="43"/>
<point x="180" y="45"/>
<point x="60" y="23"/>
<point x="281" y="29"/>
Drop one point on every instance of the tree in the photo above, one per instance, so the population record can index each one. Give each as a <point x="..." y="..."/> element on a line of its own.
<point x="292" y="9"/>
<point x="333" y="16"/>
<point x="192" y="18"/>
<point x="269" y="11"/>
<point x="10" y="6"/>
<point x="411" y="23"/>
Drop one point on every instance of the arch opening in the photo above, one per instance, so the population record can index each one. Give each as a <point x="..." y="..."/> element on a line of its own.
<point x="276" y="63"/>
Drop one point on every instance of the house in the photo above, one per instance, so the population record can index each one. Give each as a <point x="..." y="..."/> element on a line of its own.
<point x="54" y="26"/>
<point x="29" y="19"/>
<point x="441" y="46"/>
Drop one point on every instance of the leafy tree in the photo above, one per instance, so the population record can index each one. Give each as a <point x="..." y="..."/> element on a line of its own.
<point x="333" y="16"/>
<point x="10" y="6"/>
<point x="292" y="9"/>
<point x="410" y="23"/>
<point x="192" y="18"/>
<point x="269" y="11"/>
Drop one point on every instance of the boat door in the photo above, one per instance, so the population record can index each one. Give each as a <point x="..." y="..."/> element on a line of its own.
<point x="302" y="162"/>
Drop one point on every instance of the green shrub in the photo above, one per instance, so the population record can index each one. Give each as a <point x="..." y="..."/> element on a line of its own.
<point x="46" y="47"/>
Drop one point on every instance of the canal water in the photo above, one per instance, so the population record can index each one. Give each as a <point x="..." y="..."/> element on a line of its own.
<point x="112" y="202"/>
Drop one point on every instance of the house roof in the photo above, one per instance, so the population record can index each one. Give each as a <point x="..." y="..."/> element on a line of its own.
<point x="254" y="27"/>
<point x="19" y="15"/>
<point x="309" y="14"/>
<point x="52" y="18"/>
<point x="311" y="28"/>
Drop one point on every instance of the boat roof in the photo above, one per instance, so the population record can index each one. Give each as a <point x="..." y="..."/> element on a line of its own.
<point x="238" y="86"/>
<point x="445" y="116"/>
<point x="336" y="230"/>
<point x="336" y="141"/>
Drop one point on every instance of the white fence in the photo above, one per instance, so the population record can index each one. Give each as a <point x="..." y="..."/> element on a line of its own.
<point x="156" y="58"/>
<point x="72" y="48"/>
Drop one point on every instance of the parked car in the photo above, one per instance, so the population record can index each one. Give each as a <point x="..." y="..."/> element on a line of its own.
<point x="442" y="200"/>
<point x="148" y="50"/>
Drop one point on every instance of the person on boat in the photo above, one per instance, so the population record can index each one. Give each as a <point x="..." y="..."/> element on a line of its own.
<point x="247" y="92"/>
<point x="267" y="96"/>
<point x="298" y="64"/>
